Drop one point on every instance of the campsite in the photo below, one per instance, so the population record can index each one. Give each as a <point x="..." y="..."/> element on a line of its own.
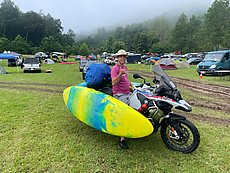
<point x="163" y="108"/>
<point x="38" y="134"/>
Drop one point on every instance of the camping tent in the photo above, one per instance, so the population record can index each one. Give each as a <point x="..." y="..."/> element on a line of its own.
<point x="11" y="57"/>
<point x="7" y="56"/>
<point x="183" y="64"/>
<point x="2" y="70"/>
<point x="167" y="64"/>
<point x="48" y="61"/>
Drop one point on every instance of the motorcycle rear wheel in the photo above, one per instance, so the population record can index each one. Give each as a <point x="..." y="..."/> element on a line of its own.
<point x="189" y="137"/>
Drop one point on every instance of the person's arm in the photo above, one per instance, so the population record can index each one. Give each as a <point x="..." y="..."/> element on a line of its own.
<point x="115" y="80"/>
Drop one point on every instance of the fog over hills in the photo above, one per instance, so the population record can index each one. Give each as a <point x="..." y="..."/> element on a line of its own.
<point x="85" y="16"/>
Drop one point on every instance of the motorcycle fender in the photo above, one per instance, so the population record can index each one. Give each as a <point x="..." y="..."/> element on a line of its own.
<point x="170" y="118"/>
<point x="176" y="117"/>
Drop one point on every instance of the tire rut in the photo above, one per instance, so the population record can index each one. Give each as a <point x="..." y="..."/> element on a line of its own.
<point x="209" y="120"/>
<point x="214" y="90"/>
<point x="27" y="87"/>
<point x="29" y="83"/>
<point x="224" y="106"/>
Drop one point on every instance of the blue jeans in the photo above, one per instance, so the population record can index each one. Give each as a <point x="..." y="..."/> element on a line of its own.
<point x="122" y="97"/>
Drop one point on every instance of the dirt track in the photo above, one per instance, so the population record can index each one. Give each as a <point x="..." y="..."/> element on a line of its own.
<point x="40" y="87"/>
<point x="216" y="91"/>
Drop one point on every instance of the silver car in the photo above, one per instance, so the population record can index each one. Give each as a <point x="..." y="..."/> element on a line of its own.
<point x="31" y="64"/>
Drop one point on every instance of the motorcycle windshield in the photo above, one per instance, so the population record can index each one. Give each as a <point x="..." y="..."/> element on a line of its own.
<point x="163" y="77"/>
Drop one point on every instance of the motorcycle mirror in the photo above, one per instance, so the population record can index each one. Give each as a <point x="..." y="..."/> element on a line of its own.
<point x="136" y="76"/>
<point x="147" y="83"/>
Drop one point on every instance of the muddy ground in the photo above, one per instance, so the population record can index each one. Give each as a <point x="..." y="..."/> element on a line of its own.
<point x="220" y="92"/>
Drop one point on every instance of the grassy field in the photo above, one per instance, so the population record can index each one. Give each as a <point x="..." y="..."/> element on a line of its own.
<point x="38" y="134"/>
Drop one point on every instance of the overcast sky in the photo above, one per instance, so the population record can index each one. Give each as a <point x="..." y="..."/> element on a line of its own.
<point x="86" y="15"/>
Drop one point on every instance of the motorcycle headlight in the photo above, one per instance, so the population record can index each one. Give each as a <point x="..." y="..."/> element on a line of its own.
<point x="213" y="66"/>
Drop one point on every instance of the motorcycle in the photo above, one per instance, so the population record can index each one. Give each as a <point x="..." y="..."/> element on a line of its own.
<point x="157" y="102"/>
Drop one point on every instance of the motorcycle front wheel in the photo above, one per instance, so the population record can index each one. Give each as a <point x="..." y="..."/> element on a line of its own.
<point x="186" y="140"/>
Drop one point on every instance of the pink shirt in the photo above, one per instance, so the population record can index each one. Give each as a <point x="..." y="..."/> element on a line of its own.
<point x="123" y="85"/>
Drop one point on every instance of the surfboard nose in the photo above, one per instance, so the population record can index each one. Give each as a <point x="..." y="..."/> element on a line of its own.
<point x="66" y="94"/>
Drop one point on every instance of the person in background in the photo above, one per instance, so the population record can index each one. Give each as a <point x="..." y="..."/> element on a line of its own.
<point x="121" y="85"/>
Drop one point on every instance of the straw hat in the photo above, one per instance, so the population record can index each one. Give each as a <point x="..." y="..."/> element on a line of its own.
<point x="121" y="52"/>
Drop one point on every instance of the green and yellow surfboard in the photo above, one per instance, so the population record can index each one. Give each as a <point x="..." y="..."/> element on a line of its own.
<point x="106" y="113"/>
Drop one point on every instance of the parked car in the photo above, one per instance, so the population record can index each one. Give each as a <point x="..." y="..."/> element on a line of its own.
<point x="214" y="61"/>
<point x="78" y="58"/>
<point x="194" y="61"/>
<point x="82" y="64"/>
<point x="195" y="55"/>
<point x="110" y="60"/>
<point x="31" y="64"/>
<point x="14" y="62"/>
<point x="11" y="63"/>
<point x="41" y="55"/>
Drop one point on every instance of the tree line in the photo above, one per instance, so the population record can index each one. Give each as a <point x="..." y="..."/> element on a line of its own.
<point x="30" y="32"/>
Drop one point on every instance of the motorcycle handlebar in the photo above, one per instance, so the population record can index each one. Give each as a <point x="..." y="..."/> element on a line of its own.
<point x="145" y="87"/>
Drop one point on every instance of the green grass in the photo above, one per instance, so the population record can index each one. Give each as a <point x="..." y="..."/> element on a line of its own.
<point x="38" y="134"/>
<point x="43" y="137"/>
<point x="69" y="74"/>
<point x="61" y="74"/>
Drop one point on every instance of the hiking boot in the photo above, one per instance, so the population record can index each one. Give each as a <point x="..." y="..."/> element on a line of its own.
<point x="123" y="144"/>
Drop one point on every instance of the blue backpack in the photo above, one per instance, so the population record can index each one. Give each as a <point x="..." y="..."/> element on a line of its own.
<point x="98" y="76"/>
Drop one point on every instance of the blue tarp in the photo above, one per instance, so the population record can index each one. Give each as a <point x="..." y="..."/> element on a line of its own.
<point x="7" y="56"/>
<point x="153" y="58"/>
